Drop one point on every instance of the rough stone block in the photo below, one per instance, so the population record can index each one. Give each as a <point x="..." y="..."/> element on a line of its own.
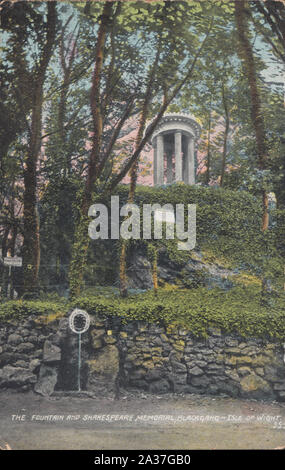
<point x="199" y="381"/>
<point x="179" y="345"/>
<point x="281" y="396"/>
<point x="177" y="379"/>
<point x="47" y="380"/>
<point x="196" y="371"/>
<point x="159" y="386"/>
<point x="25" y="347"/>
<point x="215" y="331"/>
<point x="215" y="367"/>
<point x="148" y="364"/>
<point x="14" y="339"/>
<point x="274" y="374"/>
<point x="104" y="369"/>
<point x="154" y="374"/>
<point x="243" y="371"/>
<point x="232" y="374"/>
<point x="97" y="343"/>
<point x="255" y="386"/>
<point x="16" y="376"/>
<point x="34" y="364"/>
<point x="199" y="363"/>
<point x="231" y="342"/>
<point x="22" y="364"/>
<point x="232" y="351"/>
<point x="51" y="352"/>
<point x="279" y="386"/>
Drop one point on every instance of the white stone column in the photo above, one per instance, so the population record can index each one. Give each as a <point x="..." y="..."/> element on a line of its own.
<point x="178" y="156"/>
<point x="155" y="162"/>
<point x="169" y="173"/>
<point x="159" y="157"/>
<point x="190" y="161"/>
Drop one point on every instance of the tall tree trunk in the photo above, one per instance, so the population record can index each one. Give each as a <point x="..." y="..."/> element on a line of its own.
<point x="81" y="241"/>
<point x="67" y="56"/>
<point x="226" y="133"/>
<point x="95" y="104"/>
<point x="123" y="269"/>
<point x="4" y="246"/>
<point x="208" y="164"/>
<point x="246" y="53"/>
<point x="247" y="56"/>
<point x="31" y="244"/>
<point x="154" y="271"/>
<point x="280" y="197"/>
<point x="12" y="251"/>
<point x="31" y="248"/>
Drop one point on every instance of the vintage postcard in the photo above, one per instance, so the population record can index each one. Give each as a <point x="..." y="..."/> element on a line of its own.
<point x="142" y="228"/>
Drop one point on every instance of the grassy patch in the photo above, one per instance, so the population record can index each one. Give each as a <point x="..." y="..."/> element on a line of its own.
<point x="235" y="311"/>
<point x="19" y="309"/>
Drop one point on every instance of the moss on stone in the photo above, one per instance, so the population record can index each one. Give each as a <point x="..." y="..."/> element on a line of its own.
<point x="97" y="343"/>
<point x="252" y="383"/>
<point x="179" y="345"/>
<point x="106" y="362"/>
<point x="50" y="318"/>
<point x="148" y="364"/>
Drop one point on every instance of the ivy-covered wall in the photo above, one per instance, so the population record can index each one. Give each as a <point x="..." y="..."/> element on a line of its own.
<point x="228" y="231"/>
<point x="228" y="226"/>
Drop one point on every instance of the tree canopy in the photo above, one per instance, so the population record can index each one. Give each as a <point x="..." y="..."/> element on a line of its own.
<point x="80" y="81"/>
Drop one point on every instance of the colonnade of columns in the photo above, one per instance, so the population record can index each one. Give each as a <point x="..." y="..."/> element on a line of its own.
<point x="184" y="158"/>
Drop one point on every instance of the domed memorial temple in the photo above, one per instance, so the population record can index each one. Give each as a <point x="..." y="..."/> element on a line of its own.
<point x="174" y="142"/>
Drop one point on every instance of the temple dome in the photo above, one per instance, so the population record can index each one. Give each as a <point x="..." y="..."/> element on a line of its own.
<point x="171" y="122"/>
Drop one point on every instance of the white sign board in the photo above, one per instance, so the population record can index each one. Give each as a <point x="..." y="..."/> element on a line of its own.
<point x="15" y="261"/>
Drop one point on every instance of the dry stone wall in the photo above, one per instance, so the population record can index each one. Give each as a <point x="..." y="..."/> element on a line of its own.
<point x="138" y="355"/>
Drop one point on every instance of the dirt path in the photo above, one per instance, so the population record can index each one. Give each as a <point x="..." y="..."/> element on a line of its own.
<point x="139" y="421"/>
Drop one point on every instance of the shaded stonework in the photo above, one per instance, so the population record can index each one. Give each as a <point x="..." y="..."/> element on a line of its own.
<point x="139" y="355"/>
<point x="174" y="141"/>
<point x="193" y="272"/>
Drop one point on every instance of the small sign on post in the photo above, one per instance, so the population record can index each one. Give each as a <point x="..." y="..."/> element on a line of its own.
<point x="13" y="261"/>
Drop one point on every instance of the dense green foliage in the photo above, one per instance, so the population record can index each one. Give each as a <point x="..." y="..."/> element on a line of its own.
<point x="228" y="230"/>
<point x="228" y="221"/>
<point x="238" y="310"/>
<point x="85" y="128"/>
<point x="235" y="311"/>
<point x="19" y="309"/>
<point x="227" y="225"/>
